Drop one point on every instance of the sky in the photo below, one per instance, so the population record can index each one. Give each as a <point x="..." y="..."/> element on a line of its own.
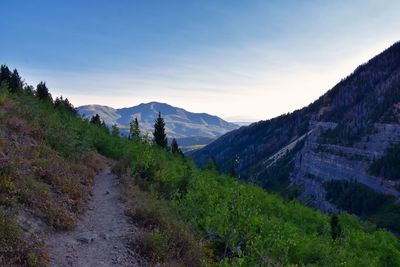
<point x="241" y="60"/>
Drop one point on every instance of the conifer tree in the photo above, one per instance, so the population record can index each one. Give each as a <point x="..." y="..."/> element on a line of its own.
<point x="134" y="131"/>
<point x="160" y="138"/>
<point x="42" y="92"/>
<point x="336" y="229"/>
<point x="62" y="103"/>
<point x="5" y="74"/>
<point x="15" y="82"/>
<point x="115" y="130"/>
<point x="175" y="148"/>
<point x="96" y="120"/>
<point x="212" y="164"/>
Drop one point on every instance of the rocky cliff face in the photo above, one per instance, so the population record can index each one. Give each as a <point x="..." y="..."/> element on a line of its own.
<point x="317" y="163"/>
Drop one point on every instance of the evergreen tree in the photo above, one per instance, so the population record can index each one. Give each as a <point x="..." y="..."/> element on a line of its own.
<point x="62" y="103"/>
<point x="15" y="82"/>
<point x="175" y="148"/>
<point x="58" y="102"/>
<point x="212" y="164"/>
<point x="42" y="92"/>
<point x="160" y="138"/>
<point x="96" y="120"/>
<point x="115" y="130"/>
<point x="5" y="74"/>
<point x="336" y="228"/>
<point x="134" y="131"/>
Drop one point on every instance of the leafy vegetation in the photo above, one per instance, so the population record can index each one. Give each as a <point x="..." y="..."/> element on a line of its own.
<point x="166" y="238"/>
<point x="241" y="224"/>
<point x="363" y="201"/>
<point x="247" y="226"/>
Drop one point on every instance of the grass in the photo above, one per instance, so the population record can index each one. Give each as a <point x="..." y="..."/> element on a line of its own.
<point x="17" y="250"/>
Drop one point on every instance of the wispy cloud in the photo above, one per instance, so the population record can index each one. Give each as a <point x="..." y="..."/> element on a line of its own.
<point x="251" y="62"/>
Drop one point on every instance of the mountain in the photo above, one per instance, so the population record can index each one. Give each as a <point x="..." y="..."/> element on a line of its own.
<point x="339" y="153"/>
<point x="190" y="129"/>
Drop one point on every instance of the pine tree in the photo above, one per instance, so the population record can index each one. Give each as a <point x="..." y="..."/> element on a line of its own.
<point x="336" y="229"/>
<point x="160" y="138"/>
<point x="115" y="130"/>
<point x="42" y="92"/>
<point x="5" y="74"/>
<point x="212" y="164"/>
<point x="134" y="130"/>
<point x="175" y="148"/>
<point x="62" y="103"/>
<point x="96" y="120"/>
<point x="15" y="82"/>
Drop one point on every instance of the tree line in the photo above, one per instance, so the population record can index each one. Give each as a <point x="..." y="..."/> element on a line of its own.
<point x="159" y="135"/>
<point x="11" y="81"/>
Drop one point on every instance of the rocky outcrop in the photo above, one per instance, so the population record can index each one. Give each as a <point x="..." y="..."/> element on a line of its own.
<point x="318" y="163"/>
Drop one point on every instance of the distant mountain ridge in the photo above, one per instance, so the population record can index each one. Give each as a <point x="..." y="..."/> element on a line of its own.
<point x="192" y="128"/>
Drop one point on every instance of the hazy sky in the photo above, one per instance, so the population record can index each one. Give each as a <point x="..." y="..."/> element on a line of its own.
<point x="241" y="60"/>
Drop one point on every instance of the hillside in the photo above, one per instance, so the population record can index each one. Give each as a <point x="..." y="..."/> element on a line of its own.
<point x="191" y="217"/>
<point x="188" y="128"/>
<point x="328" y="148"/>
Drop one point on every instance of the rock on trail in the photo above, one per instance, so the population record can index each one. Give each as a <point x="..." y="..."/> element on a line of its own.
<point x="100" y="236"/>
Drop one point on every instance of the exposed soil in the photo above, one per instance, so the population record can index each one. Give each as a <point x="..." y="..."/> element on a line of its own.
<point x="101" y="234"/>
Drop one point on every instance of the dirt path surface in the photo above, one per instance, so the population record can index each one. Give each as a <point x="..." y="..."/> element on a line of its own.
<point x="99" y="238"/>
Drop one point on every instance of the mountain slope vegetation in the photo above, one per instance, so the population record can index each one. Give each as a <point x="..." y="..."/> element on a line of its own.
<point x="201" y="217"/>
<point x="350" y="133"/>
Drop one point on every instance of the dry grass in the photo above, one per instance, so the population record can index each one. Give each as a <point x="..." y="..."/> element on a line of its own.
<point x="35" y="177"/>
<point x="17" y="250"/>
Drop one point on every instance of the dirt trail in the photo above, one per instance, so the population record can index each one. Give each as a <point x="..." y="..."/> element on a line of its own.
<point x="99" y="238"/>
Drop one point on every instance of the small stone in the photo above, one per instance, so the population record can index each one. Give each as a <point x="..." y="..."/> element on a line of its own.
<point x="104" y="236"/>
<point x="86" y="238"/>
<point x="130" y="252"/>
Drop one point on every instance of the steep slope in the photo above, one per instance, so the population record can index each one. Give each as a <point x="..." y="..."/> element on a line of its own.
<point x="338" y="137"/>
<point x="44" y="182"/>
<point x="193" y="128"/>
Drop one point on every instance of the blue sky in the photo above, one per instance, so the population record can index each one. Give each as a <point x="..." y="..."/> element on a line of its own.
<point x="241" y="60"/>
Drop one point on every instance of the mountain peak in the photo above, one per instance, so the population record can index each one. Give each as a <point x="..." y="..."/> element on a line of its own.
<point x="180" y="123"/>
